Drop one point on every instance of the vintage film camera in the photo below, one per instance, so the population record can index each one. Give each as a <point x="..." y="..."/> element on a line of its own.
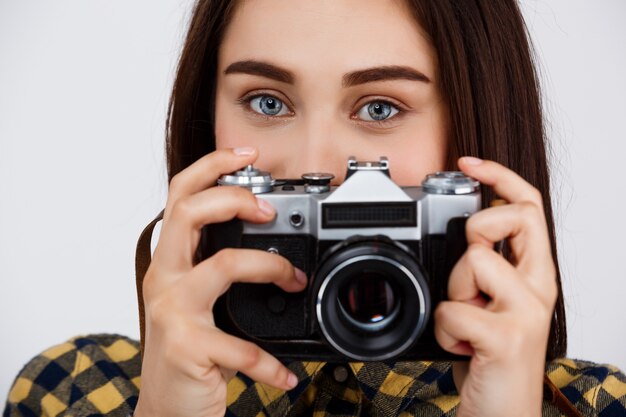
<point x="377" y="257"/>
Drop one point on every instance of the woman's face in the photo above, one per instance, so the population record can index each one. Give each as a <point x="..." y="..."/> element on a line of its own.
<point x="310" y="83"/>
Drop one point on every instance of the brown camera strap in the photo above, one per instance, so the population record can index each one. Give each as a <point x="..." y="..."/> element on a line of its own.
<point x="554" y="395"/>
<point x="143" y="256"/>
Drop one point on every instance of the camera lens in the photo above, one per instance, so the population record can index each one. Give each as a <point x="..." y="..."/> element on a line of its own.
<point x="371" y="298"/>
<point x="368" y="301"/>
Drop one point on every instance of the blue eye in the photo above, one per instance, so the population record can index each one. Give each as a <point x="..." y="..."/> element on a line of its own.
<point x="377" y="111"/>
<point x="268" y="105"/>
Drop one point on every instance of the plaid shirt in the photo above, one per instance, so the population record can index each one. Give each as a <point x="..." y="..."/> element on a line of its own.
<point x="98" y="375"/>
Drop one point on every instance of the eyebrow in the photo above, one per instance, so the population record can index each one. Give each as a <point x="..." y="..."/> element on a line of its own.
<point x="262" y="69"/>
<point x="384" y="73"/>
<point x="393" y="72"/>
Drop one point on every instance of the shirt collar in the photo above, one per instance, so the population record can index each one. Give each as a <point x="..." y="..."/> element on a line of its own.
<point x="389" y="386"/>
<point x="392" y="386"/>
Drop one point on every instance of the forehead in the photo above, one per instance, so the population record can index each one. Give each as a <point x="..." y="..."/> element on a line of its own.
<point x="326" y="36"/>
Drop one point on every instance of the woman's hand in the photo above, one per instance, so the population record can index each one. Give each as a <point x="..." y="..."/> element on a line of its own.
<point x="187" y="360"/>
<point x="506" y="336"/>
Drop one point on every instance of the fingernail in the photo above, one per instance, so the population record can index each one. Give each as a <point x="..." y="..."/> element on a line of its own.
<point x="470" y="160"/>
<point x="292" y="381"/>
<point x="265" y="207"/>
<point x="244" y="151"/>
<point x="300" y="276"/>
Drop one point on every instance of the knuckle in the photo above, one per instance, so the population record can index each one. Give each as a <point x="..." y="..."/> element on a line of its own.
<point x="176" y="183"/>
<point x="530" y="213"/>
<point x="441" y="313"/>
<point x="182" y="208"/>
<point x="536" y="197"/>
<point x="250" y="355"/>
<point x="475" y="253"/>
<point x="224" y="260"/>
<point x="527" y="209"/>
<point x="473" y="223"/>
<point x="160" y="311"/>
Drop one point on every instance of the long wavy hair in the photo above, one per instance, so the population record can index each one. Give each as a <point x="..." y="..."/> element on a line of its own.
<point x="488" y="79"/>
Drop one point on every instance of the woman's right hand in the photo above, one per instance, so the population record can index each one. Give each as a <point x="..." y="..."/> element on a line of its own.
<point x="187" y="360"/>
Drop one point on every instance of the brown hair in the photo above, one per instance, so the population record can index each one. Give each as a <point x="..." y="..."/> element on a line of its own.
<point x="488" y="79"/>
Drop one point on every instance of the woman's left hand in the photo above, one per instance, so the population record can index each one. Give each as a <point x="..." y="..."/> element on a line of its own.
<point x="506" y="336"/>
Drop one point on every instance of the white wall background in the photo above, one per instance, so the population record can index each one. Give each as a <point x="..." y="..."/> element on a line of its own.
<point x="83" y="91"/>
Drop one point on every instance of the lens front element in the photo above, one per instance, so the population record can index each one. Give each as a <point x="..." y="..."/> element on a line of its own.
<point x="368" y="301"/>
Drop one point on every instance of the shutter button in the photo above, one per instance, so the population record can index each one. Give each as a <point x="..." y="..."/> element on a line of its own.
<point x="317" y="182"/>
<point x="340" y="373"/>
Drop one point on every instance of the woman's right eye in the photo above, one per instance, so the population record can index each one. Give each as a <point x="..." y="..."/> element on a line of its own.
<point x="268" y="105"/>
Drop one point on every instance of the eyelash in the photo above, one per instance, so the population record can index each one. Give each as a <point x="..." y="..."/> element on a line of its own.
<point x="245" y="103"/>
<point x="246" y="100"/>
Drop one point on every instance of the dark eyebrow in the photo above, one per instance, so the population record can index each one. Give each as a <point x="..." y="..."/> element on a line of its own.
<point x="350" y="79"/>
<point x="260" y="68"/>
<point x="383" y="74"/>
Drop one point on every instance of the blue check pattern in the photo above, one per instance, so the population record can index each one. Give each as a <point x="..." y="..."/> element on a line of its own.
<point x="99" y="375"/>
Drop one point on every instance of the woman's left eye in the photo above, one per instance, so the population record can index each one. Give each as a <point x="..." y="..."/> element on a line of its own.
<point x="268" y="105"/>
<point x="377" y="111"/>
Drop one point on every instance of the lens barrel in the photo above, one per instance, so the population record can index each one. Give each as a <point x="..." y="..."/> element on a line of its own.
<point x="372" y="300"/>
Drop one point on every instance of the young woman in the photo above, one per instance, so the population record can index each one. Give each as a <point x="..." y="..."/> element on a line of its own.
<point x="299" y="86"/>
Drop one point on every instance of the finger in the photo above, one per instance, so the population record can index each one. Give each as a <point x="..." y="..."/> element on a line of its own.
<point x="481" y="269"/>
<point x="180" y="234"/>
<point x="506" y="183"/>
<point x="525" y="227"/>
<point x="457" y="322"/>
<point x="204" y="173"/>
<point x="212" y="277"/>
<point x="246" y="357"/>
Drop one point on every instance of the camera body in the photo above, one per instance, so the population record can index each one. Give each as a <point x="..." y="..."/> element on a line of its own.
<point x="377" y="257"/>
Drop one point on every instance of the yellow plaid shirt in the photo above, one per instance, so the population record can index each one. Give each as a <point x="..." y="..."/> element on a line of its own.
<point x="99" y="375"/>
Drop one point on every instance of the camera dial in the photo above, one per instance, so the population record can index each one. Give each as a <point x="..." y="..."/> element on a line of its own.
<point x="450" y="183"/>
<point x="257" y="181"/>
<point x="317" y="182"/>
